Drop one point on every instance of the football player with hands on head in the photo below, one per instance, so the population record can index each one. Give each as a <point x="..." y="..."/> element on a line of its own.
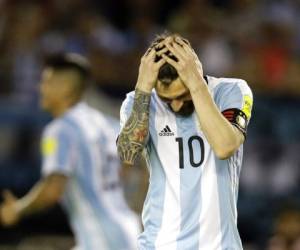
<point x="190" y="128"/>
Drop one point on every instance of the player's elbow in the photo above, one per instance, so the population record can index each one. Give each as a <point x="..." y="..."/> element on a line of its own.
<point x="53" y="189"/>
<point x="226" y="150"/>
<point x="52" y="197"/>
<point x="224" y="153"/>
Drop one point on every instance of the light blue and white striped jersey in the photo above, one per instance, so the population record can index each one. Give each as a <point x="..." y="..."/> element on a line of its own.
<point x="81" y="145"/>
<point x="191" y="202"/>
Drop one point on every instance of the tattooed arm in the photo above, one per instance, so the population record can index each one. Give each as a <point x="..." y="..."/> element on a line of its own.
<point x="134" y="134"/>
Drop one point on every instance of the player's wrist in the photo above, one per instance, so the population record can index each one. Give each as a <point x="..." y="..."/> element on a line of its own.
<point x="144" y="88"/>
<point x="198" y="86"/>
<point x="141" y="97"/>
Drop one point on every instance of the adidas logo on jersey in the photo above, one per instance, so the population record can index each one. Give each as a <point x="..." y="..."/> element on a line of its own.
<point x="166" y="132"/>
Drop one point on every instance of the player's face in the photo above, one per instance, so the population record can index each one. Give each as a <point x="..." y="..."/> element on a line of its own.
<point x="52" y="89"/>
<point x="177" y="96"/>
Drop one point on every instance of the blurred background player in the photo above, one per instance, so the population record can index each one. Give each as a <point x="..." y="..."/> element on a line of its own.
<point x="80" y="166"/>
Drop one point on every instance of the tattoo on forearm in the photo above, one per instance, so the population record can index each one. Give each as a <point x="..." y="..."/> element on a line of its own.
<point x="133" y="136"/>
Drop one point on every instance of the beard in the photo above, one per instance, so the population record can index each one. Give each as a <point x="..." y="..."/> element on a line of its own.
<point x="186" y="110"/>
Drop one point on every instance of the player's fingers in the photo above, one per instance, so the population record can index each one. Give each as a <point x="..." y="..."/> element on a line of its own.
<point x="151" y="56"/>
<point x="186" y="46"/>
<point x="170" y="61"/>
<point x="159" y="45"/>
<point x="162" y="51"/>
<point x="187" y="49"/>
<point x="180" y="40"/>
<point x="160" y="63"/>
<point x="194" y="53"/>
<point x="179" y="49"/>
<point x="147" y="55"/>
<point x="175" y="52"/>
<point x="183" y="44"/>
<point x="147" y="51"/>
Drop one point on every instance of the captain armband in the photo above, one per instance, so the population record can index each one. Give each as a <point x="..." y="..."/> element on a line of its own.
<point x="237" y="118"/>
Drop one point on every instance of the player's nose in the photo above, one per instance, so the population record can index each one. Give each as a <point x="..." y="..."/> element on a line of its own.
<point x="176" y="105"/>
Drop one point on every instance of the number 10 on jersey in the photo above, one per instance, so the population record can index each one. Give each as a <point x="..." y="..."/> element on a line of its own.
<point x="191" y="142"/>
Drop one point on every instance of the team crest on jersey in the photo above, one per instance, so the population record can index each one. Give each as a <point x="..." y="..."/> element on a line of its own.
<point x="166" y="132"/>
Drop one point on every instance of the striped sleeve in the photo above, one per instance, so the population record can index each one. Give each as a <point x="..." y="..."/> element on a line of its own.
<point x="57" y="148"/>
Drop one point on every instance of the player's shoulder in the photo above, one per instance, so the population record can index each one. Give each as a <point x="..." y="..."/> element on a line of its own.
<point x="129" y="98"/>
<point x="55" y="126"/>
<point x="82" y="108"/>
<point x="130" y="94"/>
<point x="67" y="120"/>
<point x="225" y="84"/>
<point x="128" y="101"/>
<point x="91" y="118"/>
<point x="84" y="112"/>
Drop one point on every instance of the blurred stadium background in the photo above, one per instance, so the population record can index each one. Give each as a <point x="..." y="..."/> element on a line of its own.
<point x="257" y="40"/>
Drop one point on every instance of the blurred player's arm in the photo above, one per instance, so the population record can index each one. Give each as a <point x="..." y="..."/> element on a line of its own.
<point x="42" y="196"/>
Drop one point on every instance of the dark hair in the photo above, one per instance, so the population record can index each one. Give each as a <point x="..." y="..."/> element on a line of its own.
<point x="167" y="73"/>
<point x="70" y="61"/>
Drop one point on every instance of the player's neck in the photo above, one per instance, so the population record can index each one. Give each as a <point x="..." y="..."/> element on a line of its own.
<point x="63" y="107"/>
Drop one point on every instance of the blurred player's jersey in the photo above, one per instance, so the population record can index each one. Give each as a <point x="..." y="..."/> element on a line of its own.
<point x="192" y="197"/>
<point x="81" y="145"/>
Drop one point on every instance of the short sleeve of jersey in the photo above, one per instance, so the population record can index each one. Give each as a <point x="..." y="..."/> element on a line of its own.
<point x="57" y="147"/>
<point x="234" y="99"/>
<point x="126" y="109"/>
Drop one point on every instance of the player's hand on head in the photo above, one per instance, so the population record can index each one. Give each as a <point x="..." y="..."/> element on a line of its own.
<point x="191" y="51"/>
<point x="148" y="70"/>
<point x="188" y="65"/>
<point x="8" y="209"/>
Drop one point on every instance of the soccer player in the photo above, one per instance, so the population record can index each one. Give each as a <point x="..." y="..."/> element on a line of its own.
<point x="80" y="164"/>
<point x="191" y="128"/>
